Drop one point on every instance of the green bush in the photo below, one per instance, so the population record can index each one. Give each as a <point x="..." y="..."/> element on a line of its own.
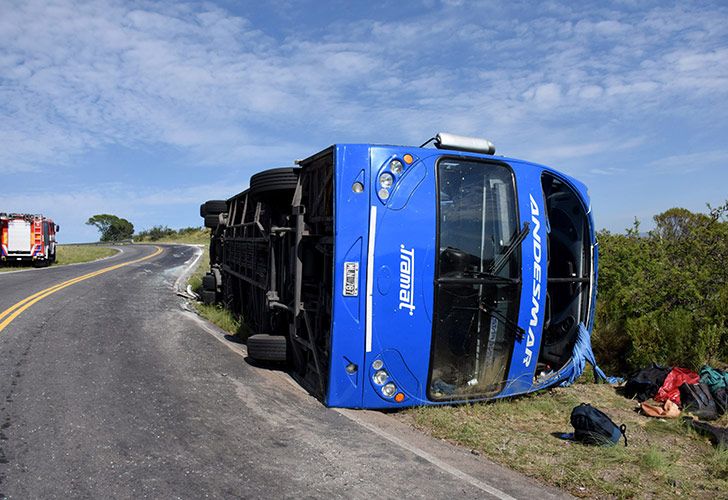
<point x="663" y="296"/>
<point x="157" y="233"/>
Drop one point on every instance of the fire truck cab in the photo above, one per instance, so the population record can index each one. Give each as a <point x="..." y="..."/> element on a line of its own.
<point x="27" y="238"/>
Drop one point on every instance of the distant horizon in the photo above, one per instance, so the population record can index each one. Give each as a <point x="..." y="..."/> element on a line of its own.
<point x="201" y="227"/>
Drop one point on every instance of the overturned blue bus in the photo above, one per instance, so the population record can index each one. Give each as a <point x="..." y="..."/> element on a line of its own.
<point x="392" y="276"/>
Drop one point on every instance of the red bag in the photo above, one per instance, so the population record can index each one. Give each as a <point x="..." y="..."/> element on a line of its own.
<point x="671" y="387"/>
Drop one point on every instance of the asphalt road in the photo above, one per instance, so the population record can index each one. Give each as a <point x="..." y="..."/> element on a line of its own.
<point x="110" y="388"/>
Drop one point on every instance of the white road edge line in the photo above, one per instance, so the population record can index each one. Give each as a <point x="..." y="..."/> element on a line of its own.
<point x="491" y="490"/>
<point x="190" y="267"/>
<point x="242" y="351"/>
<point x="219" y="335"/>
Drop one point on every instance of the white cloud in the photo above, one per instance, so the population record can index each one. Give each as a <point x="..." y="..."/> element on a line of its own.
<point x="607" y="171"/>
<point x="691" y="162"/>
<point x="603" y="28"/>
<point x="590" y="92"/>
<point x="556" y="81"/>
<point x="547" y="94"/>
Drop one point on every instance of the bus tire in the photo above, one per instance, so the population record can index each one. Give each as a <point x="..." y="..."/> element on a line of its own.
<point x="208" y="297"/>
<point x="275" y="179"/>
<point x="213" y="207"/>
<point x="263" y="347"/>
<point x="212" y="220"/>
<point x="209" y="283"/>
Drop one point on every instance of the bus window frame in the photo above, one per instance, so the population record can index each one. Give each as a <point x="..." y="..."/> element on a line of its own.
<point x="519" y="289"/>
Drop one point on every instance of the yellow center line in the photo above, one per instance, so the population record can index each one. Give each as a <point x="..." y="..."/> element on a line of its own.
<point x="17" y="309"/>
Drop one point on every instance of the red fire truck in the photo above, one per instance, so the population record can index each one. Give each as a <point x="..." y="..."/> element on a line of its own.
<point x="29" y="238"/>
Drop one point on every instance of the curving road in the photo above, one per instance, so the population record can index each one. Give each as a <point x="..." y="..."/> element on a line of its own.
<point x="111" y="389"/>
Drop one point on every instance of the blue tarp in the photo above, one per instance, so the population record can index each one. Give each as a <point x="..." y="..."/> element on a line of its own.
<point x="582" y="353"/>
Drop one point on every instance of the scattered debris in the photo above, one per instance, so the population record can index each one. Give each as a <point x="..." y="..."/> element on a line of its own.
<point x="673" y="381"/>
<point x="669" y="409"/>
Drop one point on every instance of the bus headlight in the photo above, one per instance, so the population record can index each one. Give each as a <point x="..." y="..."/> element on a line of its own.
<point x="389" y="390"/>
<point x="377" y="364"/>
<point x="386" y="180"/>
<point x="383" y="194"/>
<point x="396" y="167"/>
<point x="381" y="377"/>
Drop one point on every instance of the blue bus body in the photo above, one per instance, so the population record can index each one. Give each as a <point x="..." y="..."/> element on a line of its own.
<point x="413" y="312"/>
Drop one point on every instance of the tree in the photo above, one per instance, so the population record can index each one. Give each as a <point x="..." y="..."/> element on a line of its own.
<point x="112" y="228"/>
<point x="663" y="296"/>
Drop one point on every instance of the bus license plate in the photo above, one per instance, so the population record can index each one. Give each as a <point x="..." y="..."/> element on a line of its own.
<point x="351" y="279"/>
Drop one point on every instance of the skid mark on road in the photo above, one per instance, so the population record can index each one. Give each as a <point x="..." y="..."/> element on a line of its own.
<point x="8" y="315"/>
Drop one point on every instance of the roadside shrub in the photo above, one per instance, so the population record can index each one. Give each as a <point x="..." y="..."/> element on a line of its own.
<point x="198" y="235"/>
<point x="159" y="232"/>
<point x="663" y="296"/>
<point x="673" y="339"/>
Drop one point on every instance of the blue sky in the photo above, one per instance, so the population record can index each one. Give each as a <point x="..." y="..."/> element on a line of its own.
<point x="146" y="109"/>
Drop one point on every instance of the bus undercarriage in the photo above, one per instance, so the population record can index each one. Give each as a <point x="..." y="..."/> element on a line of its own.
<point x="272" y="253"/>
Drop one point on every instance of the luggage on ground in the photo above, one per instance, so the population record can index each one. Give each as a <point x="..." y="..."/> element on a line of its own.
<point x="721" y="400"/>
<point x="671" y="386"/>
<point x="645" y="383"/>
<point x="715" y="379"/>
<point x="696" y="399"/>
<point x="592" y="426"/>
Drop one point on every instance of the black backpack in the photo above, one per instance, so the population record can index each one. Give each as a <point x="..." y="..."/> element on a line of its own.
<point x="645" y="383"/>
<point x="721" y="400"/>
<point x="696" y="399"/>
<point x="592" y="426"/>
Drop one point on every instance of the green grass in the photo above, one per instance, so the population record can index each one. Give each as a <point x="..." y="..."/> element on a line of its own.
<point x="654" y="459"/>
<point x="220" y="317"/>
<point x="72" y="254"/>
<point x="215" y="314"/>
<point x="192" y="236"/>
<point x="717" y="464"/>
<point x="664" y="458"/>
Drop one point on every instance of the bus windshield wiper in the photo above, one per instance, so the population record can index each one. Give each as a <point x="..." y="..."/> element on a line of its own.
<point x="503" y="260"/>
<point x="510" y="324"/>
<point x="476" y="277"/>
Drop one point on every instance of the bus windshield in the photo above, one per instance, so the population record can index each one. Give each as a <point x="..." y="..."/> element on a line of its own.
<point x="477" y="281"/>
